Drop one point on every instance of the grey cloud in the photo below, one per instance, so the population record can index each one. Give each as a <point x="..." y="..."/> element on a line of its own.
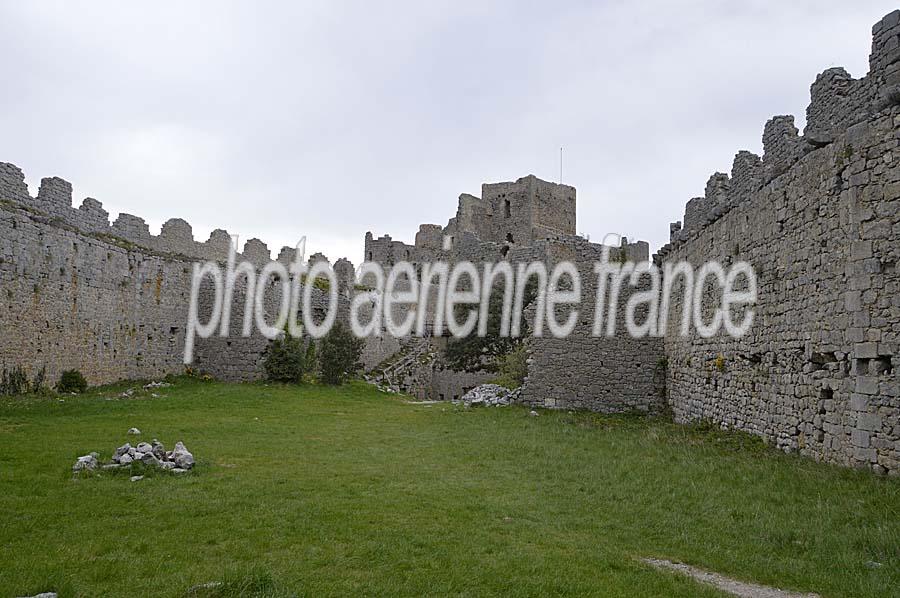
<point x="280" y="119"/>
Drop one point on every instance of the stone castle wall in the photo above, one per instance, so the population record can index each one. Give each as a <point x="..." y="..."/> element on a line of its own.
<point x="521" y="222"/>
<point x="508" y="214"/>
<point x="582" y="371"/>
<point x="111" y="300"/>
<point x="237" y="358"/>
<point x="70" y="300"/>
<point x="818" y="217"/>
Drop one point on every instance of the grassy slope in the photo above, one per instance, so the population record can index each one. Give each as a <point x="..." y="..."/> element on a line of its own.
<point x="346" y="491"/>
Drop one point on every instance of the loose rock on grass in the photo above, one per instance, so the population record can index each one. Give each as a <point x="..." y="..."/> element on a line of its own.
<point x="489" y="395"/>
<point x="154" y="454"/>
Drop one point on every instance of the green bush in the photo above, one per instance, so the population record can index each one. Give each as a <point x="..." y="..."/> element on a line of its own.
<point x="14" y="382"/>
<point x="71" y="381"/>
<point x="339" y="353"/>
<point x="39" y="384"/>
<point x="283" y="361"/>
<point x="486" y="353"/>
<point x="512" y="368"/>
<point x="311" y="361"/>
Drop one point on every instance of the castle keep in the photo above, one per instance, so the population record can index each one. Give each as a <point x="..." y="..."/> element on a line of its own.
<point x="817" y="215"/>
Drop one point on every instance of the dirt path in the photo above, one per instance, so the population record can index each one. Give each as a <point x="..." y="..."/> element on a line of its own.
<point x="726" y="584"/>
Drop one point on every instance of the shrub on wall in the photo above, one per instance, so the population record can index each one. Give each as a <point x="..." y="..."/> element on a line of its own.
<point x="71" y="381"/>
<point x="486" y="353"/>
<point x="513" y="367"/>
<point x="311" y="360"/>
<point x="14" y="382"/>
<point x="339" y="353"/>
<point x="283" y="361"/>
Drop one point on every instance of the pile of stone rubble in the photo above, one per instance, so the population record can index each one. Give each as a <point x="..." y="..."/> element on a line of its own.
<point x="178" y="460"/>
<point x="134" y="392"/>
<point x="489" y="395"/>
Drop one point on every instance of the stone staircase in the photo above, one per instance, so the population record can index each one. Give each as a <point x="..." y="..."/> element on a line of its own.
<point x="406" y="370"/>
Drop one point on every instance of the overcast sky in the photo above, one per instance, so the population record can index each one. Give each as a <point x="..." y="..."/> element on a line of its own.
<point x="281" y="119"/>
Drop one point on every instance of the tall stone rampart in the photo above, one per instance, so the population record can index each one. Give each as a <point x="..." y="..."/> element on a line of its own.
<point x="818" y="218"/>
<point x="111" y="300"/>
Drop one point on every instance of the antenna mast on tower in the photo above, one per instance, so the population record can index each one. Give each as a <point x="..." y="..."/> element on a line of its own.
<point x="560" y="164"/>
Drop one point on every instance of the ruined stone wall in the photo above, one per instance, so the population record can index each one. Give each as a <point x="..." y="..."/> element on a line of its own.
<point x="522" y="221"/>
<point x="819" y="371"/>
<point x="239" y="358"/>
<point x="552" y="209"/>
<point x="376" y="349"/>
<point x="450" y="385"/>
<point x="111" y="299"/>
<point x="529" y="209"/>
<point x="385" y="250"/>
<point x="511" y="207"/>
<point x="70" y="300"/>
<point x="54" y="203"/>
<point x="509" y="214"/>
<point x="473" y="215"/>
<point x="582" y="371"/>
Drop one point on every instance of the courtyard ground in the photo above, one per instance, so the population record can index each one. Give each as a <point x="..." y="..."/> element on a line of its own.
<point x="347" y="491"/>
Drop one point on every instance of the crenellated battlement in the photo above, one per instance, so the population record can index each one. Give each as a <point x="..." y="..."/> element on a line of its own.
<point x="884" y="60"/>
<point x="837" y="103"/>
<point x="54" y="200"/>
<point x="816" y="218"/>
<point x="508" y="215"/>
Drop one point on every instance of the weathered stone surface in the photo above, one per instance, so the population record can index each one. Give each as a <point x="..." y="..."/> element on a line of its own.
<point x="149" y="459"/>
<point x="144" y="447"/>
<point x="87" y="462"/>
<point x="121" y="451"/>
<point x="158" y="450"/>
<point x="812" y="373"/>
<point x="182" y="457"/>
<point x="489" y="395"/>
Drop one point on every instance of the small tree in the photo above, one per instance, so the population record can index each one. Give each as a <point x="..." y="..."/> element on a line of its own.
<point x="283" y="361"/>
<point x="14" y="381"/>
<point x="311" y="361"/>
<point x="473" y="352"/>
<point x="39" y="384"/>
<point x="71" y="381"/>
<point x="513" y="367"/>
<point x="339" y="353"/>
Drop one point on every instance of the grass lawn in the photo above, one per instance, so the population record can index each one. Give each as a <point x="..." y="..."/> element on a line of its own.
<point x="346" y="491"/>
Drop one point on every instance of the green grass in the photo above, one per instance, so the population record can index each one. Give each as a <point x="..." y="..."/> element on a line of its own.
<point x="345" y="491"/>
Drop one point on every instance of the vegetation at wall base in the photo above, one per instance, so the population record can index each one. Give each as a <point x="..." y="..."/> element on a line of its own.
<point x="513" y="367"/>
<point x="339" y="352"/>
<point x="15" y="381"/>
<point x="474" y="353"/>
<point x="284" y="360"/>
<point x="71" y="381"/>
